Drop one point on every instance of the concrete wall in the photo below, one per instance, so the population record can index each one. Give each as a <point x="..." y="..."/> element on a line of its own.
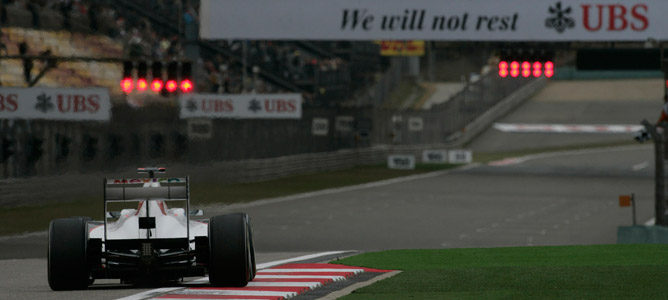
<point x="642" y="235"/>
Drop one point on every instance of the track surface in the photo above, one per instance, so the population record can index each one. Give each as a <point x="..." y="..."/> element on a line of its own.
<point x="555" y="199"/>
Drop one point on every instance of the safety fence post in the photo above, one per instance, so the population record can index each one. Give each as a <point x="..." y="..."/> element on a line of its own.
<point x="658" y="136"/>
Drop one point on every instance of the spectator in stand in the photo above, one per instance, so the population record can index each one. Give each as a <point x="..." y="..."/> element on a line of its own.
<point x="65" y="7"/>
<point x="3" y="12"/>
<point x="34" y="11"/>
<point x="2" y="45"/>
<point x="213" y="78"/>
<point x="135" y="43"/>
<point x="120" y="25"/>
<point x="27" y="63"/>
<point x="93" y="17"/>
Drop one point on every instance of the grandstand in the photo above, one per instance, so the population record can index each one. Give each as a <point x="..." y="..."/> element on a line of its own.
<point x="82" y="44"/>
<point x="62" y="44"/>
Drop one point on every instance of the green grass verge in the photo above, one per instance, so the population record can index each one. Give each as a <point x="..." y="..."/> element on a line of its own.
<point x="35" y="218"/>
<point x="568" y="272"/>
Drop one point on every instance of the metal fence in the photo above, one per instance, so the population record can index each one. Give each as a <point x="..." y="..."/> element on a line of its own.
<point x="444" y="122"/>
<point x="156" y="135"/>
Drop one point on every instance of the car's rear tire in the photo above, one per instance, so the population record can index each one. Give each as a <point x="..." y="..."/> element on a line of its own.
<point x="230" y="256"/>
<point x="253" y="266"/>
<point x="67" y="266"/>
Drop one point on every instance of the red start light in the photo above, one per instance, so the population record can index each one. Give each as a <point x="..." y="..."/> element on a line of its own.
<point x="142" y="84"/>
<point x="526" y="69"/>
<point x="549" y="69"/>
<point x="156" y="85"/>
<point x="537" y="69"/>
<point x="171" y="86"/>
<point x="514" y="69"/>
<point x="186" y="86"/>
<point x="126" y="85"/>
<point x="503" y="69"/>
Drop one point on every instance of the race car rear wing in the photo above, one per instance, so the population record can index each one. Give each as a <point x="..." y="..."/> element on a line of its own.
<point x="139" y="189"/>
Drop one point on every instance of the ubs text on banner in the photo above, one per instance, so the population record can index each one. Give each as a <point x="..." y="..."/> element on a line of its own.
<point x="471" y="20"/>
<point x="88" y="104"/>
<point x="242" y="106"/>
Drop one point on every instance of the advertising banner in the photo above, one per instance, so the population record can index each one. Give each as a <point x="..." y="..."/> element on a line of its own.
<point x="460" y="156"/>
<point x="401" y="162"/>
<point x="344" y="123"/>
<point x="72" y="104"/>
<point x="401" y="48"/>
<point x="241" y="106"/>
<point x="471" y="20"/>
<point x="435" y="156"/>
<point x="320" y="126"/>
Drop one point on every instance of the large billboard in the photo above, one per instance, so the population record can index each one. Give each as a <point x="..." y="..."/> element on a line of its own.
<point x="241" y="106"/>
<point x="72" y="104"/>
<point x="471" y="20"/>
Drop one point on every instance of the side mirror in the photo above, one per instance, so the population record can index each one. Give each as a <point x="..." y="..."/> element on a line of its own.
<point x="196" y="212"/>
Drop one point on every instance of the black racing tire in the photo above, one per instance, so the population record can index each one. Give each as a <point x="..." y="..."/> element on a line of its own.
<point x="229" y="251"/>
<point x="67" y="264"/>
<point x="253" y="266"/>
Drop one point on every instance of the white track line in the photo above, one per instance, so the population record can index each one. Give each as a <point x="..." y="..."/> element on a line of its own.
<point x="522" y="159"/>
<point x="238" y="292"/>
<point x="355" y="271"/>
<point x="310" y="285"/>
<point x="568" y="128"/>
<point x="160" y="291"/>
<point x="150" y="294"/>
<point x="299" y="258"/>
<point x="331" y="277"/>
<point x="640" y="166"/>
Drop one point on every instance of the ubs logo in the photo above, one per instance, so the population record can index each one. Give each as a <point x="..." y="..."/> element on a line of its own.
<point x="560" y="18"/>
<point x="191" y="105"/>
<point x="254" y="106"/>
<point x="44" y="103"/>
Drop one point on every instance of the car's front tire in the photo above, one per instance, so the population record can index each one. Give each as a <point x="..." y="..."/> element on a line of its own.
<point x="231" y="257"/>
<point x="66" y="257"/>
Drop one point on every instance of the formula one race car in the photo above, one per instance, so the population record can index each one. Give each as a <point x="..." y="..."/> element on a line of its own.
<point x="150" y="242"/>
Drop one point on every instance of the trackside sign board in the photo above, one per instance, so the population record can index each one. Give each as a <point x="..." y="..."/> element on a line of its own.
<point x="90" y="104"/>
<point x="471" y="20"/>
<point x="241" y="106"/>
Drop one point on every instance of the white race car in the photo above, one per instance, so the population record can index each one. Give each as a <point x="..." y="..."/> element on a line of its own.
<point x="152" y="242"/>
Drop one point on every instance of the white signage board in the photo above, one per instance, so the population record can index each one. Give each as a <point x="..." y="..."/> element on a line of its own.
<point x="72" y="104"/>
<point x="435" y="156"/>
<point x="241" y="106"/>
<point x="459" y="156"/>
<point x="344" y="123"/>
<point x="320" y="126"/>
<point x="402" y="162"/>
<point x="200" y="128"/>
<point x="415" y="124"/>
<point x="471" y="20"/>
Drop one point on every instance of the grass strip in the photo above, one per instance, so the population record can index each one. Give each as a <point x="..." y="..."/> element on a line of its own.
<point x="14" y="220"/>
<point x="564" y="272"/>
